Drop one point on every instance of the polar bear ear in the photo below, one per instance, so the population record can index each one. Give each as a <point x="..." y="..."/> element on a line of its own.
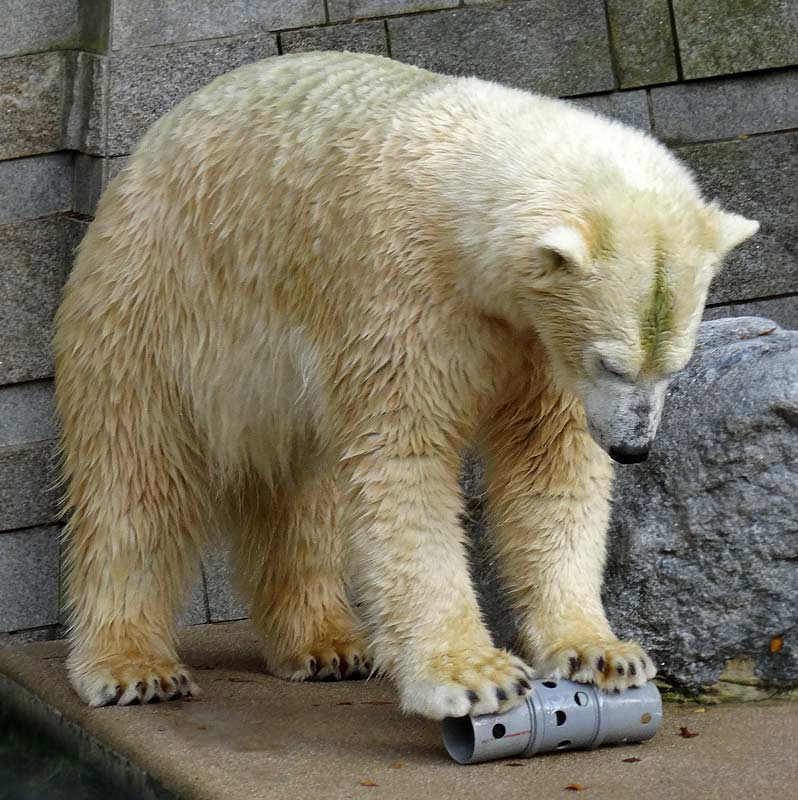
<point x="562" y="250"/>
<point x="732" y="230"/>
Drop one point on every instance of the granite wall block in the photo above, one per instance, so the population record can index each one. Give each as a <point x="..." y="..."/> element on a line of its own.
<point x="141" y="23"/>
<point x="642" y="40"/>
<point x="727" y="108"/>
<point x="36" y="256"/>
<point x="630" y="108"/>
<point x="555" y="48"/>
<point x="718" y="37"/>
<point x="35" y="26"/>
<point x="29" y="576"/>
<point x="358" y="9"/>
<point x="26" y="413"/>
<point x="26" y="479"/>
<point x="145" y="84"/>
<point x="755" y="177"/>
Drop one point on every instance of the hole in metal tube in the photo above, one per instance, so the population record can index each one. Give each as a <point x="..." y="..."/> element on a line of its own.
<point x="499" y="730"/>
<point x="563" y="744"/>
<point x="550" y="684"/>
<point x="458" y="736"/>
<point x="560" y="717"/>
<point x="580" y="698"/>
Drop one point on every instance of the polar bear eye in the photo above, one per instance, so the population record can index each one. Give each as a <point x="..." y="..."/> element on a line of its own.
<point x="614" y="370"/>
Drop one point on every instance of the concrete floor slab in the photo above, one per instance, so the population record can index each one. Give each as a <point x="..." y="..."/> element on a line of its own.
<point x="253" y="737"/>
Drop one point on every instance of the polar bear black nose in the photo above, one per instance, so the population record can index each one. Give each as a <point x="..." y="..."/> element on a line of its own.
<point x="629" y="455"/>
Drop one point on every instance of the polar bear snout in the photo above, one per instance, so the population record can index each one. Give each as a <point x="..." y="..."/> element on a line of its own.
<point x="630" y="455"/>
<point x="623" y="418"/>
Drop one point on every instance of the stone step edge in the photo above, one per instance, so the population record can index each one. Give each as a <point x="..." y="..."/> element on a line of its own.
<point x="130" y="780"/>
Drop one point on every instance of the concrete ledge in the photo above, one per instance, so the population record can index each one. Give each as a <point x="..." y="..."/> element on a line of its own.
<point x="252" y="736"/>
<point x="129" y="779"/>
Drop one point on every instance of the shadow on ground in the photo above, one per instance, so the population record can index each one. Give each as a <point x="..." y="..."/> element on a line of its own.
<point x="32" y="768"/>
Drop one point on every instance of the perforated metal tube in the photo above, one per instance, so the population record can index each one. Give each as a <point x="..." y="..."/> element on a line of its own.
<point x="557" y="715"/>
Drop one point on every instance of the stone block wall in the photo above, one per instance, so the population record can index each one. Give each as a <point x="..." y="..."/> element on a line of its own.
<point x="80" y="81"/>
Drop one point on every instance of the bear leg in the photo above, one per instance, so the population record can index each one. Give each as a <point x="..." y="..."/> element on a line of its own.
<point x="289" y="560"/>
<point x="411" y="574"/>
<point x="548" y="493"/>
<point x="138" y="492"/>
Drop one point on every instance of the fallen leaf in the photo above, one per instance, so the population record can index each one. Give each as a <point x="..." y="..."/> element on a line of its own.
<point x="686" y="733"/>
<point x="632" y="760"/>
<point x="513" y="764"/>
<point x="368" y="782"/>
<point x="397" y="765"/>
<point x="699" y="711"/>
<point x="575" y="787"/>
<point x="776" y="643"/>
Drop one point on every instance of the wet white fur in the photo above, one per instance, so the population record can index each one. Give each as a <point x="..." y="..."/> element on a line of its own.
<point x="315" y="282"/>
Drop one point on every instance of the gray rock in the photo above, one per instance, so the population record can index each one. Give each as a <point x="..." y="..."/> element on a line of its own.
<point x="46" y="633"/>
<point x="27" y="476"/>
<point x="556" y="48"/>
<point x="756" y="177"/>
<point x="195" y="611"/>
<point x="35" y="187"/>
<point x="783" y="310"/>
<point x="702" y="110"/>
<point x="703" y="560"/>
<point x="493" y="601"/>
<point x="26" y="413"/>
<point x="33" y="28"/>
<point x="29" y="572"/>
<point x="224" y="601"/>
<point x="642" y="40"/>
<point x="357" y="9"/>
<point x="722" y="36"/>
<point x="630" y="108"/>
<point x="146" y="84"/>
<point x="364" y="37"/>
<point x="35" y="257"/>
<point x="139" y="23"/>
<point x="31" y="103"/>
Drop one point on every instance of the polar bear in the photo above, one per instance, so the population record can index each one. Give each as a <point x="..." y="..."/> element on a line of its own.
<point x="316" y="281"/>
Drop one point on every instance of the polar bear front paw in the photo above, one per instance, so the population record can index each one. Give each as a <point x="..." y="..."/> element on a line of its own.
<point x="480" y="681"/>
<point x="611" y="665"/>
<point x="122" y="681"/>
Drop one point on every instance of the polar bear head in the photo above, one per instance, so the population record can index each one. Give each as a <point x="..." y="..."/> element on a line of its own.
<point x="606" y="252"/>
<point x="615" y="293"/>
<point x="621" y="292"/>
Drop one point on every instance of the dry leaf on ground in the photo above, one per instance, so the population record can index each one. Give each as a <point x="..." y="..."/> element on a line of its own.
<point x="686" y="733"/>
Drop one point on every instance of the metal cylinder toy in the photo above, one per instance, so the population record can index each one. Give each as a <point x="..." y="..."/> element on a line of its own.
<point x="557" y="715"/>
